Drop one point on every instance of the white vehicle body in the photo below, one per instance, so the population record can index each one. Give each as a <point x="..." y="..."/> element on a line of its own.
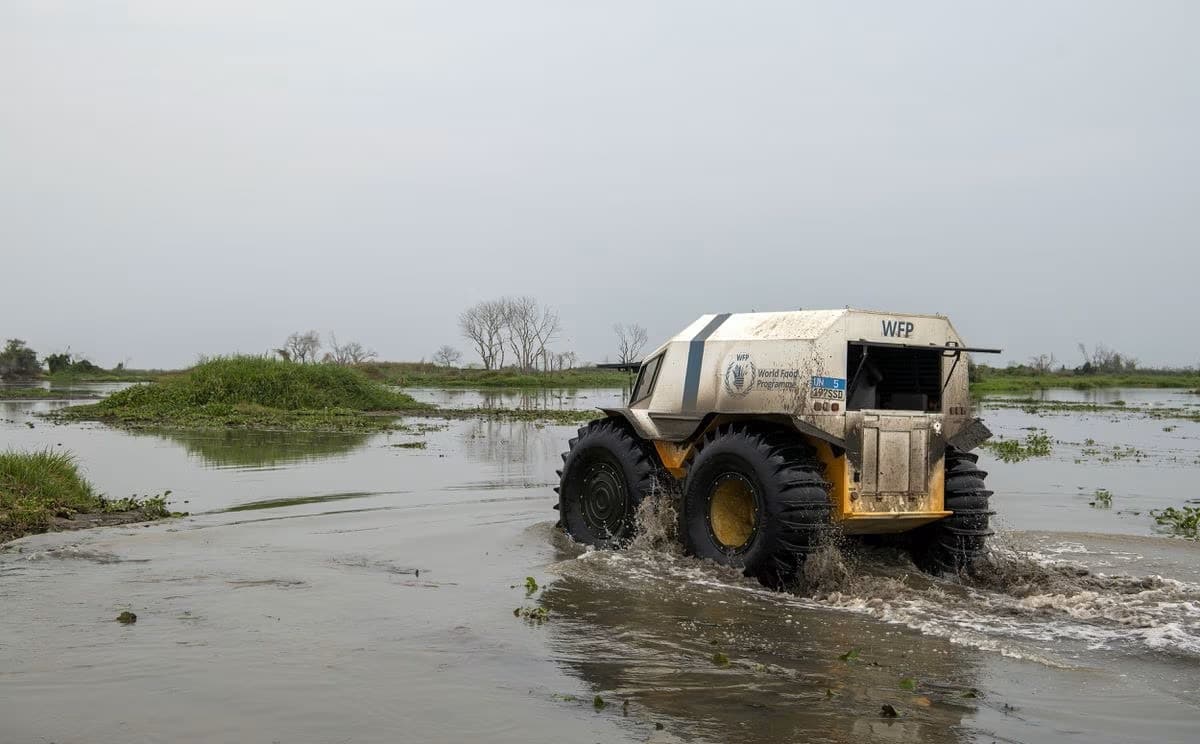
<point x="879" y="394"/>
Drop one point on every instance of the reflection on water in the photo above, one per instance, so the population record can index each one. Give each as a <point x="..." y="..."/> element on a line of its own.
<point x="241" y="448"/>
<point x="1167" y="397"/>
<point x="636" y="633"/>
<point x="550" y="399"/>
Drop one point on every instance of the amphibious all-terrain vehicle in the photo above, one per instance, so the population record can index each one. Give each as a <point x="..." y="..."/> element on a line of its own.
<point x="783" y="427"/>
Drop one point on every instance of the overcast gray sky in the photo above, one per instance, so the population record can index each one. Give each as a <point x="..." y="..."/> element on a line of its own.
<point x="185" y="178"/>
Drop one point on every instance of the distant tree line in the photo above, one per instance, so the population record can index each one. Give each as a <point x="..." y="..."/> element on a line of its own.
<point x="1100" y="360"/>
<point x="19" y="362"/>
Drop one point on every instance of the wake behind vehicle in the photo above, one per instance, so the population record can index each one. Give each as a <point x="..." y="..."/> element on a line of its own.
<point x="782" y="427"/>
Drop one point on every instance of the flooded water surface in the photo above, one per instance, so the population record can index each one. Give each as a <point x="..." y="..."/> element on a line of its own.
<point x="370" y="588"/>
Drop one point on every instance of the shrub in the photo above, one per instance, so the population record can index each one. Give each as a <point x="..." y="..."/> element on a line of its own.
<point x="18" y="361"/>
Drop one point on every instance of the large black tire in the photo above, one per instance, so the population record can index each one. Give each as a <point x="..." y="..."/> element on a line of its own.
<point x="957" y="543"/>
<point x="606" y="473"/>
<point x="791" y="507"/>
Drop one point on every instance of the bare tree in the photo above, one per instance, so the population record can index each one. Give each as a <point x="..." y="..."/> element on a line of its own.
<point x="447" y="356"/>
<point x="1042" y="363"/>
<point x="302" y="347"/>
<point x="530" y="328"/>
<point x="351" y="352"/>
<point x="520" y="314"/>
<point x="631" y="339"/>
<point x="546" y="329"/>
<point x="483" y="324"/>
<point x="563" y="360"/>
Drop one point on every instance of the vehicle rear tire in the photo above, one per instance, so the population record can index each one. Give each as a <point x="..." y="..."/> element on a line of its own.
<point x="606" y="473"/>
<point x="756" y="500"/>
<point x="958" y="543"/>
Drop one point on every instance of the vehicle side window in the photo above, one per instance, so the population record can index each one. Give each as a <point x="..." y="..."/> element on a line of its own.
<point x="646" y="379"/>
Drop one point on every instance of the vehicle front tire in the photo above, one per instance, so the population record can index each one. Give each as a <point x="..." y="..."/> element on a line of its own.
<point x="606" y="473"/>
<point x="756" y="500"/>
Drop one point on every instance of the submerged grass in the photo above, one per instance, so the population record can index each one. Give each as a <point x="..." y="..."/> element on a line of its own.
<point x="38" y="393"/>
<point x="109" y="375"/>
<point x="253" y="392"/>
<point x="38" y="487"/>
<point x="1115" y="408"/>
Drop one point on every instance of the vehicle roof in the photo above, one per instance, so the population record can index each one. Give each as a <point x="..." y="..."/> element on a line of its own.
<point x="783" y="325"/>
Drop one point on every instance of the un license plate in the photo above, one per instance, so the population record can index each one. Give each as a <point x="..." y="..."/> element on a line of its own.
<point x="829" y="388"/>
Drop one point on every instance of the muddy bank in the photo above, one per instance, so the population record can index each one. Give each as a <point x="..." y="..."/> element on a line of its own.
<point x="85" y="521"/>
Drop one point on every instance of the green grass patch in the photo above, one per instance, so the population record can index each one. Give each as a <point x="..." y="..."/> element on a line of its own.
<point x="1002" y="381"/>
<point x="254" y="392"/>
<point x="411" y="374"/>
<point x="38" y="487"/>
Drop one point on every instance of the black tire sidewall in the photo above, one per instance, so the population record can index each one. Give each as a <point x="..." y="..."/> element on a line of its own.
<point x="734" y="454"/>
<point x="936" y="547"/>
<point x="608" y="443"/>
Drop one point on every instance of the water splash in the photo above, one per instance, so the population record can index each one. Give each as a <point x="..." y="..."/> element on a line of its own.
<point x="658" y="520"/>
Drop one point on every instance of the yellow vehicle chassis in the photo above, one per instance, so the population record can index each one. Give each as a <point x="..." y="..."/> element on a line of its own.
<point x="856" y="514"/>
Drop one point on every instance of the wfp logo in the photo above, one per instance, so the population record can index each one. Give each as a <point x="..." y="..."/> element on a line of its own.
<point x="740" y="375"/>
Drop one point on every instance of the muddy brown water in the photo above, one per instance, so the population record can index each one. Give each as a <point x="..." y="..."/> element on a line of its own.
<point x="335" y="588"/>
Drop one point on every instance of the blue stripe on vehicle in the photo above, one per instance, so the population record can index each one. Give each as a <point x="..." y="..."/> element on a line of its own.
<point x="691" y="381"/>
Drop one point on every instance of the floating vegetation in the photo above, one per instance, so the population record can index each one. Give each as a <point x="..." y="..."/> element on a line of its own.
<point x="851" y="655"/>
<point x="127" y="618"/>
<point x="1183" y="522"/>
<point x="908" y="683"/>
<point x="152" y="507"/>
<point x="1117" y="409"/>
<point x="1102" y="499"/>
<point x="720" y="659"/>
<point x="532" y="615"/>
<point x="1036" y="444"/>
<point x="531" y="585"/>
<point x="598" y="703"/>
<point x="409" y="445"/>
